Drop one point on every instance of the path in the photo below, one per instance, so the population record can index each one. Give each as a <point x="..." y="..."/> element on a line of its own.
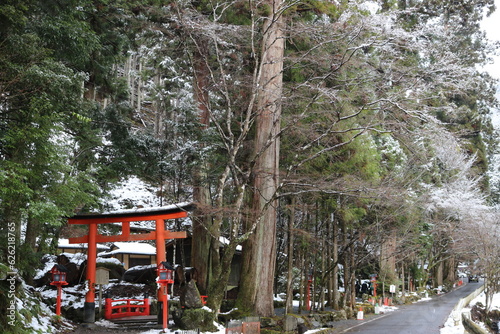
<point x="422" y="317"/>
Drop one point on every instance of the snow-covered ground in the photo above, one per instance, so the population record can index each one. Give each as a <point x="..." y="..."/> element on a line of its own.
<point x="132" y="192"/>
<point x="449" y="326"/>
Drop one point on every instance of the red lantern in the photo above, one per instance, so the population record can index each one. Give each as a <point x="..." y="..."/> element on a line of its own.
<point x="58" y="275"/>
<point x="165" y="273"/>
<point x="58" y="279"/>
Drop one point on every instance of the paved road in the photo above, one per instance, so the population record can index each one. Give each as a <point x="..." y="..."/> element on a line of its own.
<point x="425" y="317"/>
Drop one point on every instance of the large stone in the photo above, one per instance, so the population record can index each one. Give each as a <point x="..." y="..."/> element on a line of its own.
<point x="268" y="322"/>
<point x="290" y="323"/>
<point x="199" y="318"/>
<point x="190" y="296"/>
<point x="140" y="274"/>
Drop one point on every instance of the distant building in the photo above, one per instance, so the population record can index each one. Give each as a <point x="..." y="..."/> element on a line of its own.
<point x="65" y="247"/>
<point x="131" y="254"/>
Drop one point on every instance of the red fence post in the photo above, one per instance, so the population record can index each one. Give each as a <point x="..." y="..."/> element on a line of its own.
<point x="107" y="309"/>
<point x="146" y="306"/>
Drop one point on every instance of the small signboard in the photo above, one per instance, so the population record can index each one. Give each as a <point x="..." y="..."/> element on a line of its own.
<point x="102" y="275"/>
<point x="392" y="288"/>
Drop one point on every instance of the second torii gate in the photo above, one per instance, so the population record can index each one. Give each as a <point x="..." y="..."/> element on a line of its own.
<point x="159" y="215"/>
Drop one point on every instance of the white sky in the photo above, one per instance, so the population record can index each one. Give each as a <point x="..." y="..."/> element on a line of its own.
<point x="492" y="27"/>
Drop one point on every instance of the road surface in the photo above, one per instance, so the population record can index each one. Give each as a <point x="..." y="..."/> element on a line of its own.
<point x="426" y="317"/>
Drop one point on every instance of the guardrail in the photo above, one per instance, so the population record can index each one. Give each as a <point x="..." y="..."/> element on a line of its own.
<point x="126" y="308"/>
<point x="470" y="326"/>
<point x="463" y="302"/>
<point x="458" y="314"/>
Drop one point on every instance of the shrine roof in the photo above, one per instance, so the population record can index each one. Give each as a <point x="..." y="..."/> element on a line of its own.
<point x="140" y="212"/>
<point x="140" y="248"/>
<point x="64" y="243"/>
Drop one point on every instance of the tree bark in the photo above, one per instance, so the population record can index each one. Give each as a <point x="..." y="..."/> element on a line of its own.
<point x="256" y="288"/>
<point x="439" y="274"/>
<point x="388" y="258"/>
<point x="323" y="269"/>
<point x="450" y="269"/>
<point x="289" y="282"/>
<point x="335" y="259"/>
<point x="200" y="248"/>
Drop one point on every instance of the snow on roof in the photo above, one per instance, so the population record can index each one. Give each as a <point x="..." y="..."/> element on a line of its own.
<point x="64" y="243"/>
<point x="138" y="248"/>
<point x="151" y="209"/>
<point x="137" y="212"/>
<point x="112" y="260"/>
<point x="76" y="258"/>
<point x="144" y="267"/>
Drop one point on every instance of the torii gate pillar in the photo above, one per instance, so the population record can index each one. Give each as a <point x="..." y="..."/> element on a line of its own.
<point x="159" y="215"/>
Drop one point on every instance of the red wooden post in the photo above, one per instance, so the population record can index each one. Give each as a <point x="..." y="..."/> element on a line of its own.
<point x="89" y="306"/>
<point x="58" y="303"/>
<point x="146" y="306"/>
<point x="165" y="309"/>
<point x="165" y="277"/>
<point x="160" y="257"/>
<point x="107" y="308"/>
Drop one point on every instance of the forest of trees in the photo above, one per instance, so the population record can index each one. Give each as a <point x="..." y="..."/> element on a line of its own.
<point x="331" y="140"/>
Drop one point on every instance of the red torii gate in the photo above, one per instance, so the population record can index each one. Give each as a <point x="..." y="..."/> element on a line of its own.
<point x="159" y="215"/>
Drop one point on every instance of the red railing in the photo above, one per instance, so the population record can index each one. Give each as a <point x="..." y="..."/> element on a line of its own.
<point x="125" y="308"/>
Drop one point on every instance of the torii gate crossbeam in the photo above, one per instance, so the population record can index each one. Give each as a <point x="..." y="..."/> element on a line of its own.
<point x="159" y="215"/>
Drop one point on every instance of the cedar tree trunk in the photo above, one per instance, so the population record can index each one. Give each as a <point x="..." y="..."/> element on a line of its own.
<point x="256" y="288"/>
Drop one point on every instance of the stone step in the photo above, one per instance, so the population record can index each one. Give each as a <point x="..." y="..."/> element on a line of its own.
<point x="137" y="319"/>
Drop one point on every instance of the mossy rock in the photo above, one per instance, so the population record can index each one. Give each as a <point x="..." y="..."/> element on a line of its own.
<point x="367" y="308"/>
<point x="329" y="316"/>
<point x="269" y="331"/>
<point x="301" y="319"/>
<point x="411" y="299"/>
<point x="350" y="313"/>
<point x="234" y="314"/>
<point x="198" y="318"/>
<point x="266" y="322"/>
